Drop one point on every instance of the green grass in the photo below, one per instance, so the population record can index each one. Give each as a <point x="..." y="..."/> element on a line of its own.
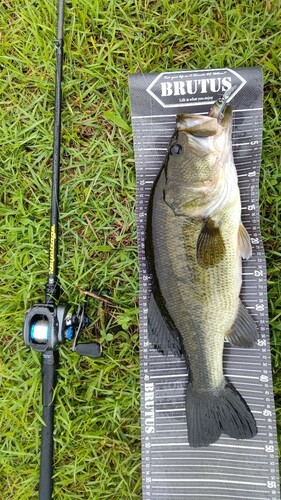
<point x="97" y="421"/>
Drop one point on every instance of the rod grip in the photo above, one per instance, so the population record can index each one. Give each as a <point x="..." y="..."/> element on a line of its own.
<point x="49" y="369"/>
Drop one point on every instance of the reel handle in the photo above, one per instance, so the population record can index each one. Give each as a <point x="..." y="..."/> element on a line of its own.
<point x="89" y="349"/>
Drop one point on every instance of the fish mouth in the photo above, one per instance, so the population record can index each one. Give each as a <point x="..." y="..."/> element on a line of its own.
<point x="200" y="126"/>
<point x="218" y="119"/>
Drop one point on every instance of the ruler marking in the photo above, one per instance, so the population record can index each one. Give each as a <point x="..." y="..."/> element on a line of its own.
<point x="204" y="488"/>
<point x="203" y="480"/>
<point x="183" y="403"/>
<point x="213" y="445"/>
<point x="195" y="451"/>
<point x="246" y="476"/>
<point x="194" y="495"/>
<point x="208" y="465"/>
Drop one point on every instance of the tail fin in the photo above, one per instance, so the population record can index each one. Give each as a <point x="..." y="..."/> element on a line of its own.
<point x="210" y="414"/>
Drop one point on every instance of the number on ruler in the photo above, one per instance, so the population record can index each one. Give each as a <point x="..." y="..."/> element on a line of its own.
<point x="269" y="448"/>
<point x="259" y="307"/>
<point x="255" y="241"/>
<point x="271" y="484"/>
<point x="267" y="413"/>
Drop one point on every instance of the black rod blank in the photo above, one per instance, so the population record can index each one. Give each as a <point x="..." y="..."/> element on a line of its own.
<point x="50" y="358"/>
<point x="52" y="287"/>
<point x="49" y="374"/>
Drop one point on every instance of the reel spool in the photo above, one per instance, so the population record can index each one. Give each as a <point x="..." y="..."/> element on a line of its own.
<point x="39" y="331"/>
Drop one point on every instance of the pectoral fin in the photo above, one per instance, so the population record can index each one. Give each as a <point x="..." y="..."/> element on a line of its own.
<point x="161" y="334"/>
<point x="244" y="242"/>
<point x="244" y="331"/>
<point x="210" y="245"/>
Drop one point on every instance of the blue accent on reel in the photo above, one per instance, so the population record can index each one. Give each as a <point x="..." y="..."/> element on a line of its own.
<point x="32" y="331"/>
<point x="70" y="333"/>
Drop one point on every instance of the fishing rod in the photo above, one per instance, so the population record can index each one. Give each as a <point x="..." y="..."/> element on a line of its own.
<point x="49" y="324"/>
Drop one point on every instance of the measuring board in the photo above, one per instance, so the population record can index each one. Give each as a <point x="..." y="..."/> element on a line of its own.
<point x="228" y="469"/>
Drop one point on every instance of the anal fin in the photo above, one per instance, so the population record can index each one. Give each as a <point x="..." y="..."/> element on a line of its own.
<point x="244" y="332"/>
<point x="161" y="334"/>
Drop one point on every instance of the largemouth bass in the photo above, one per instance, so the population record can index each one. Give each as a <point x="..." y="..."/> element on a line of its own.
<point x="194" y="245"/>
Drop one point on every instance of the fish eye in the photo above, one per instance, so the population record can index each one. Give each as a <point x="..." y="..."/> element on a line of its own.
<point x="176" y="149"/>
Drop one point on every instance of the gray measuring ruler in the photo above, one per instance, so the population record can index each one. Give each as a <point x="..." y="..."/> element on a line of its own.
<point x="228" y="469"/>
